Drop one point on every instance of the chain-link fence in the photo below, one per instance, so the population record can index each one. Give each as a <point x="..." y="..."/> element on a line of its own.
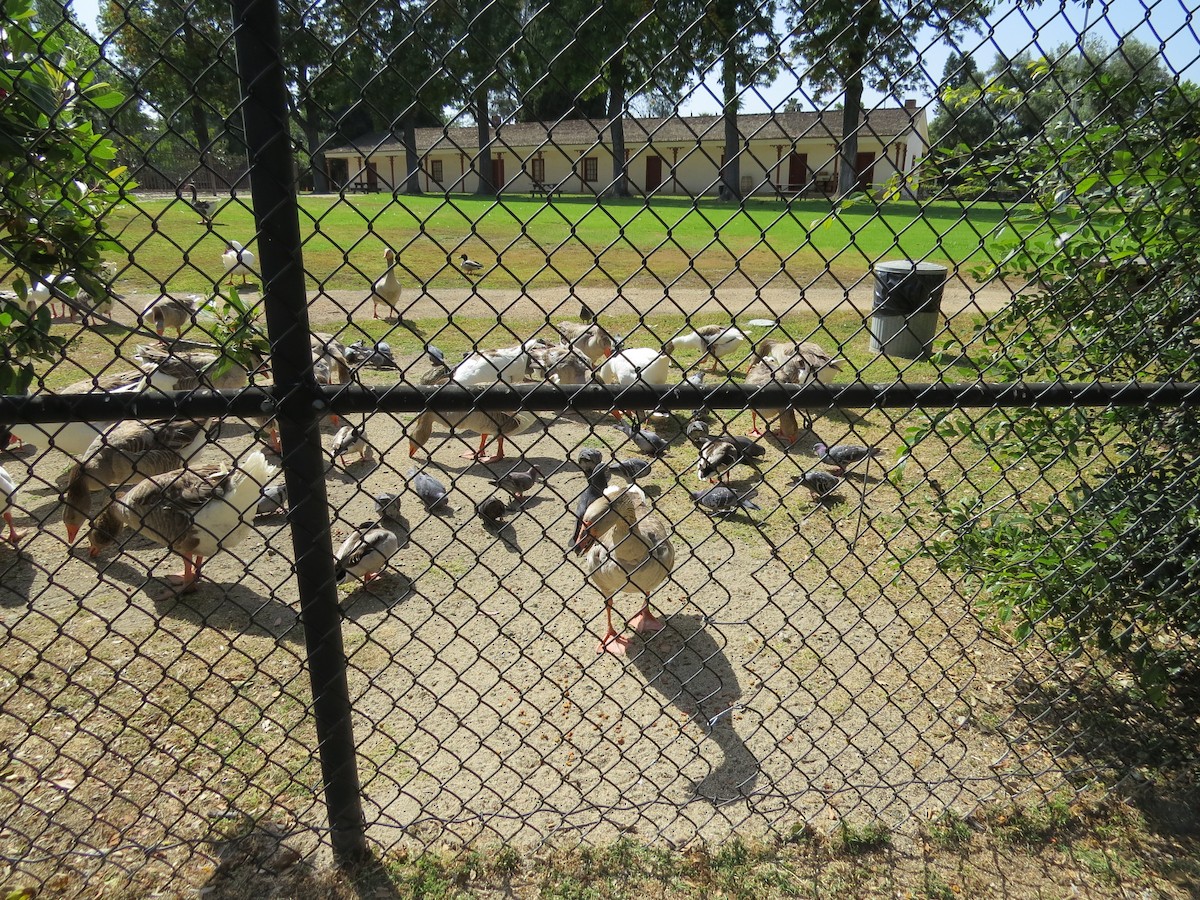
<point x="823" y="377"/>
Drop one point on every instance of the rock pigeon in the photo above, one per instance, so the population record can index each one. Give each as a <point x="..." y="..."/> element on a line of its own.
<point x="431" y="491"/>
<point x="352" y="439"/>
<point x="631" y="469"/>
<point x="697" y="431"/>
<point x="377" y="357"/>
<point x="387" y="506"/>
<point x="492" y="511"/>
<point x="597" y="483"/>
<point x="589" y="458"/>
<point x="647" y="441"/>
<point x="724" y="500"/>
<point x="273" y="500"/>
<point x="819" y="482"/>
<point x="842" y="456"/>
<point x="517" y="483"/>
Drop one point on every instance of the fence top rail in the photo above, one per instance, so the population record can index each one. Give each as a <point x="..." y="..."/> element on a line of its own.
<point x="341" y="399"/>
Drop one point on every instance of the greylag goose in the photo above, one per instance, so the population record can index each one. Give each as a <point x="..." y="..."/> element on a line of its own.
<point x="387" y="289"/>
<point x="73" y="438"/>
<point x="130" y="451"/>
<point x="366" y="552"/>
<point x="590" y="339"/>
<point x="167" y="311"/>
<point x="485" y="424"/>
<point x="238" y="261"/>
<point x="628" y="549"/>
<point x="791" y="372"/>
<point x="560" y="364"/>
<point x="8" y="490"/>
<point x="187" y="370"/>
<point x="193" y="512"/>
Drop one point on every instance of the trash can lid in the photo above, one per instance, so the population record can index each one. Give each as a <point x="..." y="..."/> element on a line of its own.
<point x="907" y="265"/>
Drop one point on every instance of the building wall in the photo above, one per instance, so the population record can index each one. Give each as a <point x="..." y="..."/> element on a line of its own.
<point x="688" y="169"/>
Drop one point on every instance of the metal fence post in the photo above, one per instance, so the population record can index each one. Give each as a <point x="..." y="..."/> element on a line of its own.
<point x="265" y="112"/>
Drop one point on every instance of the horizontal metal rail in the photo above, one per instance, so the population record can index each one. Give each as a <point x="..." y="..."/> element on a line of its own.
<point x="341" y="399"/>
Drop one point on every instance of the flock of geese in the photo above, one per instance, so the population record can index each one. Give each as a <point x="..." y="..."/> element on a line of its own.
<point x="197" y="509"/>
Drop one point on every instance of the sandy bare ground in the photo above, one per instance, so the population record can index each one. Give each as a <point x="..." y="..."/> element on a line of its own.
<point x="812" y="669"/>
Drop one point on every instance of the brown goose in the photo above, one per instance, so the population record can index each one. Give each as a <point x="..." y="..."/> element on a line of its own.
<point x="792" y="372"/>
<point x="194" y="512"/>
<point x="590" y="339"/>
<point x="628" y="549"/>
<point x="170" y="312"/>
<point x="129" y="451"/>
<point x="484" y="424"/>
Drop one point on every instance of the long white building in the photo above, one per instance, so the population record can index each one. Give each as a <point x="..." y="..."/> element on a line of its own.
<point x="783" y="154"/>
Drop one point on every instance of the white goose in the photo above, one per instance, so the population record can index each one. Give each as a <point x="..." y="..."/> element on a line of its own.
<point x="238" y="261"/>
<point x="638" y="365"/>
<point x="194" y="512"/>
<point x="8" y="490"/>
<point x="483" y="367"/>
<point x="712" y="340"/>
<point x="73" y="438"/>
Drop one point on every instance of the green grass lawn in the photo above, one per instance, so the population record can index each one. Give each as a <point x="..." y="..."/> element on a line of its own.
<point x="573" y="241"/>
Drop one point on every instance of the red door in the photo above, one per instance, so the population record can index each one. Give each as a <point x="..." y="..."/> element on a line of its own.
<point x="797" y="172"/>
<point x="498" y="172"/>
<point x="864" y="167"/>
<point x="653" y="172"/>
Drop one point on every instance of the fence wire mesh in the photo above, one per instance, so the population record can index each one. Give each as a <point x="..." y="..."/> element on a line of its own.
<point x="734" y="216"/>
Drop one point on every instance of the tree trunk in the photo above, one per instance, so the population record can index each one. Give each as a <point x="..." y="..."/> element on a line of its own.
<point x="731" y="171"/>
<point x="311" y="123"/>
<point x="412" y="159"/>
<point x="483" y="161"/>
<point x="197" y="112"/>
<point x="616" y="125"/>
<point x="851" y="116"/>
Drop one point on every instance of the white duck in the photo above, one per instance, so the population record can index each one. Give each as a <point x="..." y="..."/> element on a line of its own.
<point x="8" y="488"/>
<point x="638" y="365"/>
<point x="628" y="549"/>
<point x="366" y="552"/>
<point x="387" y="289"/>
<point x="238" y="261"/>
<point x="194" y="512"/>
<point x="712" y="340"/>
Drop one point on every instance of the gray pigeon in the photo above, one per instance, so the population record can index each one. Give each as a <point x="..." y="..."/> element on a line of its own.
<point x="431" y="491"/>
<point x="377" y="357"/>
<point x="697" y="431"/>
<point x="273" y="499"/>
<point x="819" y="482"/>
<point x="647" y="441"/>
<point x="842" y="456"/>
<point x="388" y="506"/>
<point x="723" y="500"/>
<point x="597" y="482"/>
<point x="631" y="469"/>
<point x="589" y="458"/>
<point x="492" y="511"/>
<point x="517" y="483"/>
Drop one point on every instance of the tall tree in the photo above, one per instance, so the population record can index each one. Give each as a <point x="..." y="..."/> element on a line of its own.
<point x="482" y="39"/>
<point x="743" y="33"/>
<point x="848" y="45"/>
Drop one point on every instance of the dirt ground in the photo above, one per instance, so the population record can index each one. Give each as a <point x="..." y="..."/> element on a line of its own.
<point x="813" y="668"/>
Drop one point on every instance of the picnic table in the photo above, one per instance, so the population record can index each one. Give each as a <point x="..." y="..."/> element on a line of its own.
<point x="544" y="189"/>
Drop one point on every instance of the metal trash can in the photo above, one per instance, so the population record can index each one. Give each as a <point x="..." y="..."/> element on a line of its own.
<point x="908" y="301"/>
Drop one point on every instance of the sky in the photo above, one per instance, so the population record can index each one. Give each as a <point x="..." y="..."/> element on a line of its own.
<point x="1166" y="24"/>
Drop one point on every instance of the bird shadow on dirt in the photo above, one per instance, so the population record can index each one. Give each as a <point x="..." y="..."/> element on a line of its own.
<point x="379" y="596"/>
<point x="16" y="576"/>
<point x="686" y="665"/>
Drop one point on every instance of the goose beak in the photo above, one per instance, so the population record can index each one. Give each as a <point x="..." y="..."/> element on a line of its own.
<point x="412" y="449"/>
<point x="72" y="531"/>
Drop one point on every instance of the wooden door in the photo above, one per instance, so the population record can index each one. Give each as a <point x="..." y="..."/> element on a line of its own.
<point x="372" y="176"/>
<point x="498" y="172"/>
<point x="864" y="168"/>
<point x="797" y="179"/>
<point x="653" y="172"/>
